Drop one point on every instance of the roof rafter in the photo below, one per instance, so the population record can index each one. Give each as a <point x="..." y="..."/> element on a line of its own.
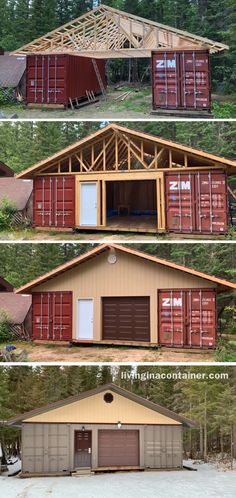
<point x="105" y="32"/>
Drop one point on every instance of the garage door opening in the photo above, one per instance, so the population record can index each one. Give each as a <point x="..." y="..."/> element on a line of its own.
<point x="132" y="204"/>
<point x="126" y="319"/>
<point x="118" y="448"/>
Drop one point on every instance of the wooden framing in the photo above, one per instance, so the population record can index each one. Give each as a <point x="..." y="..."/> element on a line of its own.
<point x="105" y="32"/>
<point x="116" y="149"/>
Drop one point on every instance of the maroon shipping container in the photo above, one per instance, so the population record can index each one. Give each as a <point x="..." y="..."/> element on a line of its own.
<point x="187" y="318"/>
<point x="52" y="316"/>
<point x="181" y="80"/>
<point x="54" y="79"/>
<point x="54" y="201"/>
<point x="196" y="202"/>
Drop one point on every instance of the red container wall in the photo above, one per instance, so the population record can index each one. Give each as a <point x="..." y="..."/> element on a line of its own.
<point x="187" y="318"/>
<point x="54" y="201"/>
<point x="181" y="80"/>
<point x="54" y="79"/>
<point x="196" y="202"/>
<point x="52" y="316"/>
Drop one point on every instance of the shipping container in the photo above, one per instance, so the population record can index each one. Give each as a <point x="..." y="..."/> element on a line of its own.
<point x="55" y="79"/>
<point x="54" y="201"/>
<point x="52" y="315"/>
<point x="187" y="318"/>
<point x="196" y="202"/>
<point x="181" y="80"/>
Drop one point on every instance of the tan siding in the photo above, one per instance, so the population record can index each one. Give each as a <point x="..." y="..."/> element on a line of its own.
<point x="95" y="410"/>
<point x="129" y="276"/>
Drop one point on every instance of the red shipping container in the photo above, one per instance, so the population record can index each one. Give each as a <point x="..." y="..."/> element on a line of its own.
<point x="181" y="80"/>
<point x="55" y="79"/>
<point x="187" y="318"/>
<point x="54" y="201"/>
<point x="196" y="202"/>
<point x="52" y="316"/>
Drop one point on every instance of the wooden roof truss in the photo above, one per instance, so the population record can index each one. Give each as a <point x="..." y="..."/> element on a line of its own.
<point x="105" y="32"/>
<point x="116" y="150"/>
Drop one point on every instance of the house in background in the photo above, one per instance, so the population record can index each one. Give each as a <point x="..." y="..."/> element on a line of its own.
<point x="18" y="192"/>
<point x="5" y="171"/>
<point x="18" y="309"/>
<point x="107" y="428"/>
<point x="143" y="301"/>
<point x="12" y="75"/>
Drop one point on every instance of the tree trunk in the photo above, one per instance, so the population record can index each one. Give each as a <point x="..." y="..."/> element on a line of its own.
<point x="234" y="440"/>
<point x="201" y="441"/>
<point x="205" y="427"/>
<point x="232" y="446"/>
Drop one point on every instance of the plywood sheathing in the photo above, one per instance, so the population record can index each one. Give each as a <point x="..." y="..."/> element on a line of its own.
<point x="105" y="32"/>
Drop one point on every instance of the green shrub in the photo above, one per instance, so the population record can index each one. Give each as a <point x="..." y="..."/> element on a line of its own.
<point x="7" y="211"/>
<point x="7" y="95"/>
<point x="5" y="326"/>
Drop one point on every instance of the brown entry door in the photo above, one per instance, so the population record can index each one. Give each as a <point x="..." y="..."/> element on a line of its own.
<point x="126" y="318"/>
<point x="83" y="449"/>
<point x="118" y="448"/>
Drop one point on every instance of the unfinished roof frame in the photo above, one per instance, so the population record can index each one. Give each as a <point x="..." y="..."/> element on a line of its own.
<point x="117" y="149"/>
<point x="105" y="32"/>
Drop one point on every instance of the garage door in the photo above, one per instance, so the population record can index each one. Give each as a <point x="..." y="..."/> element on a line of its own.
<point x="118" y="448"/>
<point x="126" y="318"/>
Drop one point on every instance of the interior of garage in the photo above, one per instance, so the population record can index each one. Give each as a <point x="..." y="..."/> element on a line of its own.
<point x="131" y="203"/>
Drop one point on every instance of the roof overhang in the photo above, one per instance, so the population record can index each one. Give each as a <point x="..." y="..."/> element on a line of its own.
<point x="105" y="32"/>
<point x="18" y="420"/>
<point x="218" y="161"/>
<point x="221" y="285"/>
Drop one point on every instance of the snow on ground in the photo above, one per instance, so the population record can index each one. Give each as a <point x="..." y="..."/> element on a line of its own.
<point x="207" y="482"/>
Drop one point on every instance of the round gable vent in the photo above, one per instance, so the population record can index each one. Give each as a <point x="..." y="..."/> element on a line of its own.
<point x="111" y="258"/>
<point x="108" y="398"/>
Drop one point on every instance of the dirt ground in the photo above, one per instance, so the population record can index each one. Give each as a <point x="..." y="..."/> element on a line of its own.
<point x="137" y="105"/>
<point x="52" y="353"/>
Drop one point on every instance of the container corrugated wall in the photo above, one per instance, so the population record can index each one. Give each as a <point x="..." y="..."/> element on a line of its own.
<point x="55" y="79"/>
<point x="187" y="318"/>
<point x="52" y="315"/>
<point x="54" y="201"/>
<point x="163" y="447"/>
<point x="181" y="80"/>
<point x="196" y="202"/>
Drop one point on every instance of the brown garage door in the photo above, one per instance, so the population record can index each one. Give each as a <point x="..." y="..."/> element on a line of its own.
<point x="126" y="318"/>
<point x="118" y="448"/>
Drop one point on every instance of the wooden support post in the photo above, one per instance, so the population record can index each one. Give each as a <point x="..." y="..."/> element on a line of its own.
<point x="104" y="155"/>
<point x="155" y="154"/>
<point x="92" y="156"/>
<point x="185" y="160"/>
<point x="59" y="167"/>
<point x="129" y="155"/>
<point x="170" y="158"/>
<point x="99" y="202"/>
<point x="116" y="153"/>
<point x="104" y="204"/>
<point x="142" y="156"/>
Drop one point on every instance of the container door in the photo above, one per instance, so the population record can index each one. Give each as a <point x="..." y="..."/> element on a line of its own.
<point x="85" y="319"/>
<point x="172" y="318"/>
<point x="211" y="202"/>
<point x="83" y="449"/>
<point x="64" y="201"/>
<point x="55" y="89"/>
<point x="52" y="316"/>
<point x="88" y="204"/>
<point x="180" y="216"/>
<point x="43" y="202"/>
<point x="201" y="311"/>
<point x="35" y="79"/>
<point x="195" y="83"/>
<point x="165" y="80"/>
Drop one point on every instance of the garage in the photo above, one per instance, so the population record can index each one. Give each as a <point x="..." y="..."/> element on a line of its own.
<point x="118" y="448"/>
<point x="126" y="318"/>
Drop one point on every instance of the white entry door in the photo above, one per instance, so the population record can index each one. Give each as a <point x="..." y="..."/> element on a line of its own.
<point x="85" y="319"/>
<point x="88" y="204"/>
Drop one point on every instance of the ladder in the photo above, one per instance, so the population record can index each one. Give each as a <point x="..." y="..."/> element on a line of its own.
<point x="102" y="87"/>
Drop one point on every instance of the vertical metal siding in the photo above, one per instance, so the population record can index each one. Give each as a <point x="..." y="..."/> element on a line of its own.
<point x="45" y="448"/>
<point x="54" y="201"/>
<point x="54" y="79"/>
<point x="163" y="446"/>
<point x="196" y="202"/>
<point x="52" y="315"/>
<point x="187" y="318"/>
<point x="181" y="79"/>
